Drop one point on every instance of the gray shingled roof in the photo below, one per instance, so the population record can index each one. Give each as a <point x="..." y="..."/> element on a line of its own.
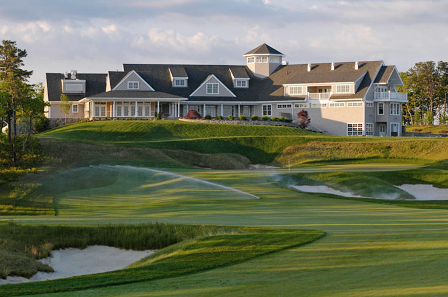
<point x="239" y="72"/>
<point x="134" y="95"/>
<point x="95" y="83"/>
<point x="384" y="74"/>
<point x="264" y="49"/>
<point x="178" y="71"/>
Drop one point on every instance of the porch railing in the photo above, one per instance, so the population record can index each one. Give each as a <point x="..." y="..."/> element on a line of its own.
<point x="319" y="96"/>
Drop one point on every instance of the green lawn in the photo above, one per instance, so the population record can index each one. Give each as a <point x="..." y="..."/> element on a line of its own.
<point x="370" y="248"/>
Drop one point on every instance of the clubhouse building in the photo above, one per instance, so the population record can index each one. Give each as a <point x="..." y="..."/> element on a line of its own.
<point x="342" y="98"/>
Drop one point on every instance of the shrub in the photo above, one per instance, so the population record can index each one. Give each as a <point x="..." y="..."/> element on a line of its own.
<point x="254" y="118"/>
<point x="230" y="117"/>
<point x="288" y="120"/>
<point x="242" y="117"/>
<point x="159" y="116"/>
<point x="41" y="124"/>
<point x="208" y="117"/>
<point x="219" y="117"/>
<point x="264" y="118"/>
<point x="192" y="115"/>
<point x="417" y="130"/>
<point x="274" y="119"/>
<point x="281" y="119"/>
<point x="303" y="118"/>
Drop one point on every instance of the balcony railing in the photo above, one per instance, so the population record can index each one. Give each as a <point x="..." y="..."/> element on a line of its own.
<point x="319" y="96"/>
<point x="391" y="96"/>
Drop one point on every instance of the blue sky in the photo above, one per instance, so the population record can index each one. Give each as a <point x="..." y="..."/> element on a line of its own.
<point x="98" y="36"/>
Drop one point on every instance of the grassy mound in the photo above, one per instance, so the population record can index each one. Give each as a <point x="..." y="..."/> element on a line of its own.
<point x="210" y="247"/>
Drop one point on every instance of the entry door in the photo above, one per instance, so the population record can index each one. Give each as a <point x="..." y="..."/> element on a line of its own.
<point x="383" y="131"/>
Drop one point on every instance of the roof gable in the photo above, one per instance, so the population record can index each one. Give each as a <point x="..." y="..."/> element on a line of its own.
<point x="133" y="76"/>
<point x="223" y="91"/>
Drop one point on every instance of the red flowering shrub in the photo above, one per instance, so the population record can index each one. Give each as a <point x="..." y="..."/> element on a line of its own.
<point x="193" y="115"/>
<point x="303" y="118"/>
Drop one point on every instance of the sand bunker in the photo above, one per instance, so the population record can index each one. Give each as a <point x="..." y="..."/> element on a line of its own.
<point x="72" y="262"/>
<point x="326" y="190"/>
<point x="425" y="192"/>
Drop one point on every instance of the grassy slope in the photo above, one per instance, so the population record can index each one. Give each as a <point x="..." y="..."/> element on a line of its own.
<point x="439" y="129"/>
<point x="212" y="247"/>
<point x="401" y="250"/>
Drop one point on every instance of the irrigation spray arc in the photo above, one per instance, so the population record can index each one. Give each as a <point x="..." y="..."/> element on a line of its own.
<point x="183" y="177"/>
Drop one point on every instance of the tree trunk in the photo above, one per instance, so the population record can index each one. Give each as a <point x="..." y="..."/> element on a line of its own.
<point x="14" y="143"/>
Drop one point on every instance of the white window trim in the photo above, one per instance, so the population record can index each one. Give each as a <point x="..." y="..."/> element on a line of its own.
<point x="354" y="104"/>
<point x="343" y="92"/>
<point x="370" y="104"/>
<point x="73" y="108"/>
<point x="301" y="105"/>
<point x="284" y="106"/>
<point x="263" y="59"/>
<point x="250" y="59"/>
<point x="267" y="109"/>
<point x="131" y="83"/>
<point x="337" y="104"/>
<point x="176" y="80"/>
<point x="358" y="132"/>
<point x="392" y="109"/>
<point x="290" y="88"/>
<point x="378" y="109"/>
<point x="242" y="81"/>
<point x="373" y="129"/>
<point x="212" y="84"/>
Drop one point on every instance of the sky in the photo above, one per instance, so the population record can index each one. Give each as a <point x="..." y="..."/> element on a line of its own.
<point x="96" y="36"/>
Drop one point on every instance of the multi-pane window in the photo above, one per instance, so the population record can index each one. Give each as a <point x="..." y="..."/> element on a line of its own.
<point x="337" y="104"/>
<point x="241" y="83"/>
<point x="380" y="108"/>
<point x="133" y="85"/>
<point x="354" y="129"/>
<point x="267" y="110"/>
<point x="119" y="108"/>
<point x="369" y="129"/>
<point x="354" y="104"/>
<point x="369" y="104"/>
<point x="212" y="88"/>
<point x="262" y="59"/>
<point x="319" y="105"/>
<point x="395" y="109"/>
<point x="283" y="106"/>
<point x="147" y="108"/>
<point x="179" y="82"/>
<point x="343" y="89"/>
<point x="250" y="60"/>
<point x="126" y="109"/>
<point x="295" y="90"/>
<point x="75" y="108"/>
<point x="140" y="109"/>
<point x="302" y="105"/>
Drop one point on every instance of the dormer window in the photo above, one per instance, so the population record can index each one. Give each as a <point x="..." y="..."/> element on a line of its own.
<point x="343" y="89"/>
<point x="295" y="91"/>
<point x="133" y="85"/>
<point x="179" y="83"/>
<point x="239" y="83"/>
<point x="212" y="88"/>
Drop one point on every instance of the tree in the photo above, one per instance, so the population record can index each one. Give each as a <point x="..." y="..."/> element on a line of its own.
<point x="303" y="118"/>
<point x="32" y="106"/>
<point x="13" y="79"/>
<point x="65" y="106"/>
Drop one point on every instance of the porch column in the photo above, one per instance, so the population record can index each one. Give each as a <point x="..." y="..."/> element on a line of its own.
<point x="158" y="107"/>
<point x="113" y="110"/>
<point x="178" y="109"/>
<point x="204" y="111"/>
<point x="239" y="110"/>
<point x="222" y="110"/>
<point x="93" y="109"/>
<point x="136" y="107"/>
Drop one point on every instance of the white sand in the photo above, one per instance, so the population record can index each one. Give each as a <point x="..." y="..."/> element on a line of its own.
<point x="326" y="190"/>
<point x="425" y="192"/>
<point x="72" y="262"/>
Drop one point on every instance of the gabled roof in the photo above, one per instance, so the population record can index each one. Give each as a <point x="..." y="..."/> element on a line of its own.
<point x="138" y="77"/>
<point x="264" y="49"/>
<point x="95" y="83"/>
<point x="384" y="74"/>
<point x="178" y="71"/>
<point x="239" y="72"/>
<point x="212" y="77"/>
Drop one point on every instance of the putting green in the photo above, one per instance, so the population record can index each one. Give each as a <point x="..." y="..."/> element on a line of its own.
<point x="370" y="249"/>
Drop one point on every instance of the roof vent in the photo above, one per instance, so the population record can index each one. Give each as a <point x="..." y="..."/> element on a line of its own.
<point x="309" y="67"/>
<point x="356" y="65"/>
<point x="332" y="65"/>
<point x="66" y="74"/>
<point x="73" y="74"/>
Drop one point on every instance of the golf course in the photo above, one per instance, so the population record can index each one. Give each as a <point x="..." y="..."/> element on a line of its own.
<point x="218" y="204"/>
